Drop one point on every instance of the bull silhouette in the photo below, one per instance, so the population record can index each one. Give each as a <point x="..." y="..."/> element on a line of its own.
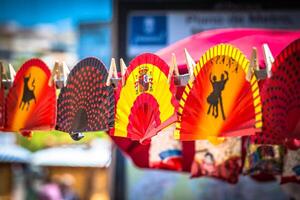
<point x="28" y="94"/>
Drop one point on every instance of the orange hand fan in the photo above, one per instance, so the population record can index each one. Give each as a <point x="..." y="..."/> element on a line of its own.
<point x="220" y="101"/>
<point x="146" y="103"/>
<point x="31" y="102"/>
<point x="281" y="99"/>
<point x="86" y="103"/>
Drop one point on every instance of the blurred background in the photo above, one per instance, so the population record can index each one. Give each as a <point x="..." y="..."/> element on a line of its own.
<point x="71" y="30"/>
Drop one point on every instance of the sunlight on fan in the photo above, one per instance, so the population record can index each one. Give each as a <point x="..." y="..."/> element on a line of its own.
<point x="220" y="101"/>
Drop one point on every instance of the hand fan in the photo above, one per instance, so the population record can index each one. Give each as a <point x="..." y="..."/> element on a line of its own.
<point x="281" y="98"/>
<point x="221" y="161"/>
<point x="219" y="102"/>
<point x="146" y="103"/>
<point x="291" y="167"/>
<point x="264" y="159"/>
<point x="31" y="102"/>
<point x="165" y="152"/>
<point x="86" y="103"/>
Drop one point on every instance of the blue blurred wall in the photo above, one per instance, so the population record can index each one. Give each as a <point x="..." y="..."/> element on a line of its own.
<point x="32" y="12"/>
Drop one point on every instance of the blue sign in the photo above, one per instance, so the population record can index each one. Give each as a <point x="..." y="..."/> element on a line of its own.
<point x="148" y="30"/>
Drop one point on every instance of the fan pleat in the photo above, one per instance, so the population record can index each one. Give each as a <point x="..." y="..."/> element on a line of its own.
<point x="141" y="112"/>
<point x="86" y="103"/>
<point x="281" y="99"/>
<point x="219" y="102"/>
<point x="41" y="114"/>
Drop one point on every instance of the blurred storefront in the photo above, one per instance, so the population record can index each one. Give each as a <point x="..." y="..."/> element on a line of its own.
<point x="14" y="162"/>
<point x="83" y="168"/>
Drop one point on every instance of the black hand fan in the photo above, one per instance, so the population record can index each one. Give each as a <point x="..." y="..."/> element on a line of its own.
<point x="86" y="103"/>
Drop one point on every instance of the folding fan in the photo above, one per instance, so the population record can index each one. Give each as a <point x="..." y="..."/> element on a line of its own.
<point x="31" y="102"/>
<point x="221" y="161"/>
<point x="291" y="167"/>
<point x="146" y="103"/>
<point x="86" y="103"/>
<point x="165" y="152"/>
<point x="264" y="159"/>
<point x="219" y="102"/>
<point x="280" y="96"/>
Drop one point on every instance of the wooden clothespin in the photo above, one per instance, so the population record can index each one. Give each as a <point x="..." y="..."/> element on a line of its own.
<point x="1" y="74"/>
<point x="173" y="68"/>
<point x="190" y="64"/>
<point x="56" y="73"/>
<point x="3" y="77"/>
<point x="66" y="72"/>
<point x="123" y="70"/>
<point x="253" y="64"/>
<point x="12" y="72"/>
<point x="112" y="72"/>
<point x="269" y="59"/>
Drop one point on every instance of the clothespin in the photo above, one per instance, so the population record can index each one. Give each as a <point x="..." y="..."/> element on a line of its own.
<point x="3" y="77"/>
<point x="56" y="73"/>
<point x="112" y="72"/>
<point x="173" y="68"/>
<point x="190" y="64"/>
<point x="1" y="74"/>
<point x="66" y="71"/>
<point x="123" y="70"/>
<point x="12" y="72"/>
<point x="253" y="64"/>
<point x="269" y="59"/>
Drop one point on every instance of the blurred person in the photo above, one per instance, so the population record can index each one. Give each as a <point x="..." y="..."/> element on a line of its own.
<point x="50" y="190"/>
<point x="66" y="183"/>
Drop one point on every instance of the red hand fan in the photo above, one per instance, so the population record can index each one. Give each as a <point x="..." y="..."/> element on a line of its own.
<point x="281" y="99"/>
<point x="31" y="102"/>
<point x="86" y="103"/>
<point x="146" y="103"/>
<point x="219" y="102"/>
